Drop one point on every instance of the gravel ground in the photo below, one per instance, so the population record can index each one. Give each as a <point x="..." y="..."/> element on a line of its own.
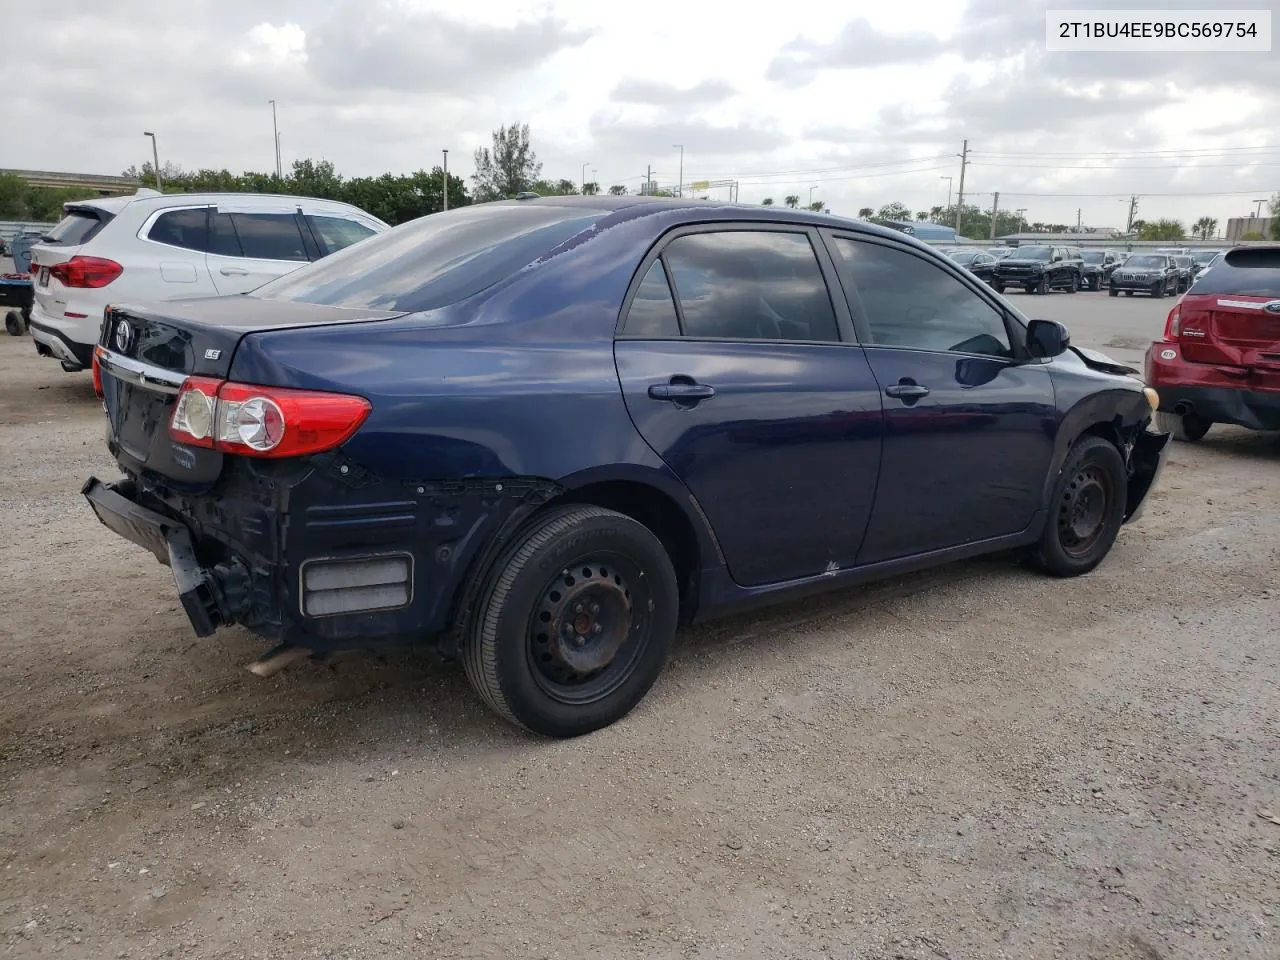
<point x="971" y="763"/>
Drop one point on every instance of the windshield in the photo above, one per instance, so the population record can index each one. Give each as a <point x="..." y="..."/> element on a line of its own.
<point x="435" y="260"/>
<point x="1092" y="256"/>
<point x="1147" y="262"/>
<point x="1034" y="253"/>
<point x="963" y="256"/>
<point x="1182" y="261"/>
<point x="1243" y="273"/>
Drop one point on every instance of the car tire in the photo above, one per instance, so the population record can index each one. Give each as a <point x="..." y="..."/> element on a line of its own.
<point x="1042" y="287"/>
<point x="1074" y="286"/>
<point x="1086" y="510"/>
<point x="999" y="287"/>
<point x="1112" y="291"/>
<point x="1158" y="290"/>
<point x="1185" y="427"/>
<point x="578" y="571"/>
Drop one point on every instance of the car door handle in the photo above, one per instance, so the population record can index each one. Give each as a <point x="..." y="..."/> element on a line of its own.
<point x="906" y="390"/>
<point x="681" y="391"/>
<point x="233" y="272"/>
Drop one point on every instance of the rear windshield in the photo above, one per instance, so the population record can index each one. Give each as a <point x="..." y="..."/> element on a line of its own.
<point x="77" y="227"/>
<point x="1243" y="273"/>
<point x="433" y="261"/>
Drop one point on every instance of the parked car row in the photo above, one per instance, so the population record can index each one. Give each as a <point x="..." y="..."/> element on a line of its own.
<point x="371" y="449"/>
<point x="1042" y="268"/>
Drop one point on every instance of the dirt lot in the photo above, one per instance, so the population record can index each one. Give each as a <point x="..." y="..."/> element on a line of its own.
<point x="972" y="763"/>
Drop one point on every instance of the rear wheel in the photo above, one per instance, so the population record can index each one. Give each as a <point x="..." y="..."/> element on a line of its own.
<point x="1074" y="287"/>
<point x="1158" y="290"/>
<point x="1043" y="286"/>
<point x="1188" y="428"/>
<point x="1085" y="512"/>
<point x="998" y="285"/>
<point x="1113" y="292"/>
<point x="576" y="623"/>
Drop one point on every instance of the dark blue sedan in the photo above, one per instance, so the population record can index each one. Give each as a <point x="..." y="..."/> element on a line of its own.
<point x="539" y="434"/>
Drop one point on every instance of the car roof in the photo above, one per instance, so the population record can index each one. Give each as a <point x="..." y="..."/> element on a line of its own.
<point x="151" y="200"/>
<point x="629" y="206"/>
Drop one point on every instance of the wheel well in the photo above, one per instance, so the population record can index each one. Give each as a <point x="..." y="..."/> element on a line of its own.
<point x="661" y="515"/>
<point x="1107" y="431"/>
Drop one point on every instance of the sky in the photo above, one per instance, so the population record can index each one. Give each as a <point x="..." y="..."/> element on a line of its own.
<point x="854" y="103"/>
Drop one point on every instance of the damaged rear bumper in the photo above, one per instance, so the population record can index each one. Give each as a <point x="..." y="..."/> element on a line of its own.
<point x="203" y="591"/>
<point x="1146" y="461"/>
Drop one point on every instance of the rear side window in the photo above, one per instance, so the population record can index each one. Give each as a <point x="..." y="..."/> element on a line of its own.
<point x="337" y="233"/>
<point x="435" y="260"/>
<point x="77" y="227"/>
<point x="1244" y="273"/>
<point x="269" y="236"/>
<point x="188" y="229"/>
<point x="751" y="285"/>
<point x="653" y="311"/>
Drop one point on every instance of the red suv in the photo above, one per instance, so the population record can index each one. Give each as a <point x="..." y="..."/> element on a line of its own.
<point x="1219" y="359"/>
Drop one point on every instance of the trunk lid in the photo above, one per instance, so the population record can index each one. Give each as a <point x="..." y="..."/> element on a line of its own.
<point x="150" y="351"/>
<point x="1231" y="314"/>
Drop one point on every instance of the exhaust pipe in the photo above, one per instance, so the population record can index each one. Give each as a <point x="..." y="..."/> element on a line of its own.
<point x="70" y="367"/>
<point x="276" y="659"/>
<point x="1182" y="408"/>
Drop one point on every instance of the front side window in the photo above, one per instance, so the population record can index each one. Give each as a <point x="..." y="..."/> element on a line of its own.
<point x="188" y="229"/>
<point x="751" y="285"/>
<point x="336" y="233"/>
<point x="910" y="302"/>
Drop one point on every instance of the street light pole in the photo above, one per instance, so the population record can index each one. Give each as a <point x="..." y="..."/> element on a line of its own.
<point x="811" y="189"/>
<point x="1259" y="203"/>
<point x="155" y="158"/>
<point x="1022" y="224"/>
<point x="584" y="175"/>
<point x="444" y="186"/>
<point x="948" y="179"/>
<point x="275" y="136"/>
<point x="680" y="189"/>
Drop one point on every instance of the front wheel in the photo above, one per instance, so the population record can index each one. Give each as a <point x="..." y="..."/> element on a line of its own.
<point x="1113" y="292"/>
<point x="999" y="287"/>
<point x="1075" y="284"/>
<point x="1042" y="287"/>
<point x="1188" y="427"/>
<point x="1158" y="290"/>
<point x="576" y="623"/>
<point x="1085" y="512"/>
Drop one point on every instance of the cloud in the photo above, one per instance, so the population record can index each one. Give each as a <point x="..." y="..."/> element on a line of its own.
<point x="658" y="93"/>
<point x="640" y="139"/>
<point x="858" y="46"/>
<point x="376" y="44"/>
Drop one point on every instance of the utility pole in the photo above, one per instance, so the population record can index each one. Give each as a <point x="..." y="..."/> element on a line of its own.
<point x="648" y="177"/>
<point x="964" y="161"/>
<point x="680" y="189"/>
<point x="1133" y="210"/>
<point x="811" y="189"/>
<point x="995" y="208"/>
<point x="275" y="136"/>
<point x="1259" y="203"/>
<point x="1078" y="226"/>
<point x="444" y="186"/>
<point x="948" y="179"/>
<point x="155" y="157"/>
<point x="584" y="175"/>
<point x="1022" y="219"/>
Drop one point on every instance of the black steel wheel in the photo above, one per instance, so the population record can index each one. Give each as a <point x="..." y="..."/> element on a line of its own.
<point x="1086" y="510"/>
<point x="1112" y="291"/>
<point x="575" y="624"/>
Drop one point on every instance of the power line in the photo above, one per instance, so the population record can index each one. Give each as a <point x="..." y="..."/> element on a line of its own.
<point x="1125" y="196"/>
<point x="1101" y="165"/>
<point x="1212" y="151"/>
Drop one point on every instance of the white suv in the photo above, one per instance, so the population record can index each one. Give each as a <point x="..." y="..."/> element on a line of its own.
<point x="153" y="246"/>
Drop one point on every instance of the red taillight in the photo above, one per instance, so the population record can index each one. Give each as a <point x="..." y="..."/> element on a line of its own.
<point x="264" y="421"/>
<point x="1173" y="325"/>
<point x="92" y="272"/>
<point x="97" y="371"/>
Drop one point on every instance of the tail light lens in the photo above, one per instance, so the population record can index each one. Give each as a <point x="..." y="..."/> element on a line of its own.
<point x="1173" y="326"/>
<point x="259" y="421"/>
<point x="86" y="272"/>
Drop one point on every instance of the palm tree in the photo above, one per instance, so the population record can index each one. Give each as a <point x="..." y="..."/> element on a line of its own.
<point x="617" y="190"/>
<point x="864" y="212"/>
<point x="767" y="202"/>
<point x="791" y="201"/>
<point x="817" y="206"/>
<point x="1205" y="227"/>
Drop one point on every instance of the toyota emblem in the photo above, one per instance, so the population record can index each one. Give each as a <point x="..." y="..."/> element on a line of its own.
<point x="1272" y="307"/>
<point x="124" y="336"/>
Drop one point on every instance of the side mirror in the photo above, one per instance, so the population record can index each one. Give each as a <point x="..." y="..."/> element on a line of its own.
<point x="1047" y="338"/>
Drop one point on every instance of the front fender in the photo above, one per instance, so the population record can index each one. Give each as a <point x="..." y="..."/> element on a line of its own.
<point x="1146" y="461"/>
